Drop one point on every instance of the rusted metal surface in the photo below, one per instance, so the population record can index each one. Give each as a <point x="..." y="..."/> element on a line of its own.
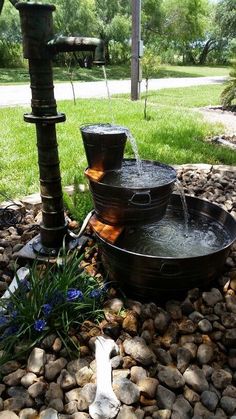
<point x="105" y="231"/>
<point x="39" y="48"/>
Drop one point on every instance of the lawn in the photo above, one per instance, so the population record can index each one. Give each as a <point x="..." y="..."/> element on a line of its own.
<point x="190" y="97"/>
<point x="115" y="72"/>
<point x="170" y="136"/>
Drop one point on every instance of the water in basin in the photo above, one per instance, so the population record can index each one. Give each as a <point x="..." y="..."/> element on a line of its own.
<point x="152" y="175"/>
<point x="167" y="238"/>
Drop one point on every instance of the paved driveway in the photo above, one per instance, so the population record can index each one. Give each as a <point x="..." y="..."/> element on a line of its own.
<point x="20" y="94"/>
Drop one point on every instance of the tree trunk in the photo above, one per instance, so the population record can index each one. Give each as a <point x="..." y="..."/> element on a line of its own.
<point x="209" y="46"/>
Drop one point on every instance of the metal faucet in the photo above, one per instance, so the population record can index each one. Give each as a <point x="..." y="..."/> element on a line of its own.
<point x="39" y="47"/>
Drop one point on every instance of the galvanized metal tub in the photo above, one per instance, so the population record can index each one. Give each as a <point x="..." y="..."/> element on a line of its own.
<point x="117" y="205"/>
<point x="151" y="277"/>
<point x="104" y="145"/>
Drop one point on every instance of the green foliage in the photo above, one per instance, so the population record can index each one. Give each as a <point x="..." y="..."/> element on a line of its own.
<point x="79" y="203"/>
<point x="229" y="93"/>
<point x="54" y="300"/>
<point x="150" y="65"/>
<point x="226" y="17"/>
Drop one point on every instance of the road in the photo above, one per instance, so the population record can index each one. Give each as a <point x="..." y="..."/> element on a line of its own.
<point x="20" y="94"/>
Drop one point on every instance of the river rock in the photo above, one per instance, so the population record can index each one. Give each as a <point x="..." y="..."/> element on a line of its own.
<point x="14" y="378"/>
<point x="195" y="378"/>
<point x="221" y="378"/>
<point x="228" y="404"/>
<point x="7" y="414"/>
<point x="161" y="320"/>
<point x="165" y="397"/>
<point x="36" y="361"/>
<point x="138" y="349"/>
<point x="184" y="356"/>
<point x="205" y="353"/>
<point x="171" y="377"/>
<point x="212" y="297"/>
<point x="53" y="369"/>
<point x="28" y="413"/>
<point x="210" y="400"/>
<point x="126" y="391"/>
<point x="137" y="374"/>
<point x="182" y="407"/>
<point x="148" y="387"/>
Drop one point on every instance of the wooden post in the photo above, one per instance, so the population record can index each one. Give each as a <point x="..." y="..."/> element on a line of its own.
<point x="136" y="35"/>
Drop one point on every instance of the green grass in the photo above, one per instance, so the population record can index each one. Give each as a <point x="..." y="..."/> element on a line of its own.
<point x="115" y="72"/>
<point x="170" y="136"/>
<point x="191" y="97"/>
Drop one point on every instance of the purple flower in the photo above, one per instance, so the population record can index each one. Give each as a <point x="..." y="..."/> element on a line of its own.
<point x="3" y="320"/>
<point x="95" y="293"/>
<point x="24" y="285"/>
<point x="40" y="325"/>
<point x="14" y="314"/>
<point x="8" y="332"/>
<point x="46" y="308"/>
<point x="74" y="294"/>
<point x="56" y="298"/>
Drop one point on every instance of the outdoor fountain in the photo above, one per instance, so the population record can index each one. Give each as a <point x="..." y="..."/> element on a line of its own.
<point x="149" y="245"/>
<point x="140" y="225"/>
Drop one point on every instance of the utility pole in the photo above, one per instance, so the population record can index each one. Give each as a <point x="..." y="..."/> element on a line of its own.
<point x="136" y="36"/>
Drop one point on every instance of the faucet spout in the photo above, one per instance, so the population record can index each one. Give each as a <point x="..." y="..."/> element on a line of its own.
<point x="77" y="43"/>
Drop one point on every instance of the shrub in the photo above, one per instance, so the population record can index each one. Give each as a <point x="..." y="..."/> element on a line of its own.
<point x="229" y="93"/>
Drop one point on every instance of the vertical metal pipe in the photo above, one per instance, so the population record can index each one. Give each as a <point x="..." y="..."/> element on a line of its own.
<point x="37" y="30"/>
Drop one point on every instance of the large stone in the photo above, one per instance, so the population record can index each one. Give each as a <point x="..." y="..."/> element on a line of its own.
<point x="36" y="361"/>
<point x="171" y="377"/>
<point x="183" y="407"/>
<point x="7" y="414"/>
<point x="148" y="387"/>
<point x="205" y="353"/>
<point x="14" y="378"/>
<point x="137" y="374"/>
<point x="228" y="404"/>
<point x="53" y="369"/>
<point x="126" y="391"/>
<point x="165" y="397"/>
<point x="162" y="320"/>
<point x="28" y="413"/>
<point x="221" y="378"/>
<point x="195" y="378"/>
<point x="138" y="349"/>
<point x="48" y="414"/>
<point x="212" y="297"/>
<point x="184" y="356"/>
<point x="210" y="400"/>
<point x="66" y="380"/>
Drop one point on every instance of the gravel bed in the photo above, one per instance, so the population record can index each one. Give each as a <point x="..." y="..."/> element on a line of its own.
<point x="176" y="361"/>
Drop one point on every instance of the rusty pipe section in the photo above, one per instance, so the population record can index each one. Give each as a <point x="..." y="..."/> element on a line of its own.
<point x="76" y="43"/>
<point x="39" y="47"/>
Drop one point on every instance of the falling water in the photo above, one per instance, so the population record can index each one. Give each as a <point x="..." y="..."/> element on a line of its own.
<point x="184" y="204"/>
<point x="108" y="94"/>
<point x="134" y="146"/>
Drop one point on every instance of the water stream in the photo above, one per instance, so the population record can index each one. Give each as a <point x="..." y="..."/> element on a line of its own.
<point x="180" y="189"/>
<point x="108" y="94"/>
<point x="134" y="146"/>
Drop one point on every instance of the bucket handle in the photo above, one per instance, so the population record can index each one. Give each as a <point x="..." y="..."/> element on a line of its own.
<point x="134" y="200"/>
<point x="170" y="269"/>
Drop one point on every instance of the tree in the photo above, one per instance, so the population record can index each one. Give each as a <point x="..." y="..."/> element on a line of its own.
<point x="113" y="22"/>
<point x="226" y="18"/>
<point x="10" y="46"/>
<point x="150" y="65"/>
<point x="185" y="24"/>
